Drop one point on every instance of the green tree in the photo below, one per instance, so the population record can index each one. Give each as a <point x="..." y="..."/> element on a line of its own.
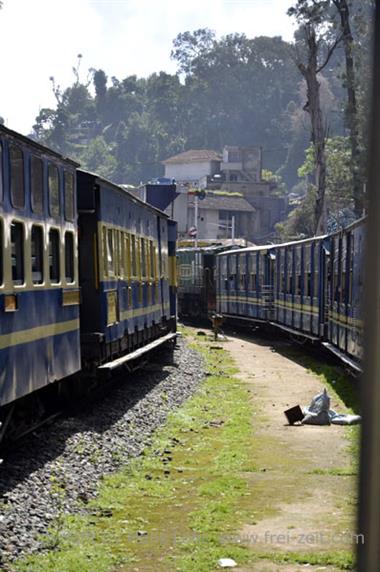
<point x="98" y="158"/>
<point x="312" y="34"/>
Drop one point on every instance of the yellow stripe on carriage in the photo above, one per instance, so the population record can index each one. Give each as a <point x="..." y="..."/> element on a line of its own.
<point x="38" y="333"/>
<point x="137" y="312"/>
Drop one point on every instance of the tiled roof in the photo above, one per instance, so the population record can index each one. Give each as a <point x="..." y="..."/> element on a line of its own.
<point x="224" y="204"/>
<point x="194" y="156"/>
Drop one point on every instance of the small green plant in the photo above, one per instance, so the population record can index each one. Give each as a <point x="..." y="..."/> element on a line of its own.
<point x="58" y="495"/>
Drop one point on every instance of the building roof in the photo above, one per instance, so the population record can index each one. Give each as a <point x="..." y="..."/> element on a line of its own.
<point x="194" y="156"/>
<point x="224" y="203"/>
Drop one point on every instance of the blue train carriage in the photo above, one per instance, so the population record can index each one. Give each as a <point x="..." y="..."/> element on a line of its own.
<point x="128" y="275"/>
<point x="298" y="297"/>
<point x="39" y="292"/>
<point x="245" y="283"/>
<point x="344" y="289"/>
<point x="278" y="284"/>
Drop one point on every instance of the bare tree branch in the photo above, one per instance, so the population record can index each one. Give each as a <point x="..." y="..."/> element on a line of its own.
<point x="330" y="52"/>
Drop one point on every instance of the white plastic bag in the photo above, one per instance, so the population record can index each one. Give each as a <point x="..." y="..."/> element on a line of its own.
<point x="318" y="411"/>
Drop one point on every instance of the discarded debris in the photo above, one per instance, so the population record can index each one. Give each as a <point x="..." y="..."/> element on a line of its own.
<point x="227" y="563"/>
<point x="294" y="414"/>
<point x="319" y="413"/>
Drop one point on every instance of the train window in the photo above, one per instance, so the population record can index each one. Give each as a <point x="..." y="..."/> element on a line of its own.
<point x="152" y="262"/>
<point x="156" y="263"/>
<point x="37" y="246"/>
<point x="116" y="257"/>
<point x="36" y="184"/>
<point x="128" y="256"/>
<point x="1" y="171"/>
<point x="110" y="253"/>
<point x="143" y="258"/>
<point x="298" y="278"/>
<point x="69" y="257"/>
<point x="164" y="258"/>
<point x="17" y="177"/>
<point x="17" y="252"/>
<point x="351" y="267"/>
<point x="69" y="195"/>
<point x="54" y="251"/>
<point x="53" y="191"/>
<point x="122" y="269"/>
<point x="299" y="285"/>
<point x="133" y="256"/>
<point x="316" y="268"/>
<point x="336" y="270"/>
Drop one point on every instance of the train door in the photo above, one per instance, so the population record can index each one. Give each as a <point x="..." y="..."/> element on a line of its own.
<point x="268" y="288"/>
<point x="297" y="286"/>
<point x="306" y="289"/>
<point x="343" y="291"/>
<point x="289" y="270"/>
<point x="325" y="288"/>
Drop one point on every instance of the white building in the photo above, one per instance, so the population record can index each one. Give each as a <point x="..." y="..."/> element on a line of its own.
<point x="192" y="166"/>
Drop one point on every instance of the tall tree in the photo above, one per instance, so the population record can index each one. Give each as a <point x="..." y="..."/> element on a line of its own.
<point x="311" y="16"/>
<point x="352" y="119"/>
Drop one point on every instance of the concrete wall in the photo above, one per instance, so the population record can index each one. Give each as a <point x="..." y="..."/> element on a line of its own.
<point x="189" y="171"/>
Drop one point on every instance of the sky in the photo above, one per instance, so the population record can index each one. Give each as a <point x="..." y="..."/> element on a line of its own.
<point x="42" y="38"/>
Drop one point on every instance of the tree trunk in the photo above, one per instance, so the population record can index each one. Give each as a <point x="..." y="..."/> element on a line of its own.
<point x="351" y="108"/>
<point x="313" y="107"/>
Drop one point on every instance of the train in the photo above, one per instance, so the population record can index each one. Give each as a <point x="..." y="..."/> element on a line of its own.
<point x="87" y="277"/>
<point x="310" y="288"/>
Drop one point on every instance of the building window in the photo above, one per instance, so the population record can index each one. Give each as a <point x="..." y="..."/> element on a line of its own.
<point x="54" y="273"/>
<point x="69" y="195"/>
<point x="36" y="178"/>
<point x="234" y="156"/>
<point x="54" y="191"/>
<point x="69" y="257"/>
<point x="233" y="177"/>
<point x="17" y="252"/>
<point x="37" y="246"/>
<point x="17" y="177"/>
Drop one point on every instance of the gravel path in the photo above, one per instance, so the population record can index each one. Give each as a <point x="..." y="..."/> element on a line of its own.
<point x="75" y="452"/>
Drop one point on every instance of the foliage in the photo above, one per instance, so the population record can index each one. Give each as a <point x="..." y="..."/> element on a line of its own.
<point x="339" y="191"/>
<point x="300" y="222"/>
<point x="231" y="90"/>
<point x="274" y="178"/>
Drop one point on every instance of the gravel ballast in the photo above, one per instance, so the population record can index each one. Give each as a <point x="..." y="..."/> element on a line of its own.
<point x="75" y="452"/>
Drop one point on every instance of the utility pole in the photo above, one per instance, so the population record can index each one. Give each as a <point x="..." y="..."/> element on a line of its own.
<point x="196" y="219"/>
<point x="233" y="229"/>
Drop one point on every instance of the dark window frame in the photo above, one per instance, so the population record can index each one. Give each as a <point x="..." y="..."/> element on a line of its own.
<point x="34" y="204"/>
<point x="12" y="148"/>
<point x="54" y="257"/>
<point x="38" y="256"/>
<point x="69" y="254"/>
<point x="18" y="254"/>
<point x="69" y="216"/>
<point x="54" y="210"/>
